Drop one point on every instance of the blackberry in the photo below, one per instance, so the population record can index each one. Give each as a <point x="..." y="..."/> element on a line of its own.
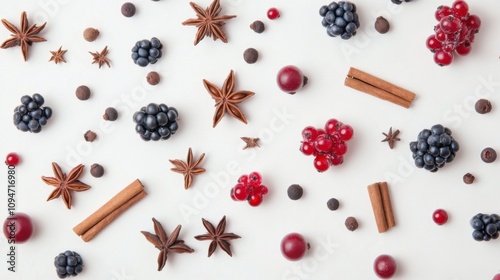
<point x="156" y="122"/>
<point x="68" y="264"/>
<point x="434" y="148"/>
<point x="340" y="19"/>
<point x="486" y="227"/>
<point x="397" y="2"/>
<point x="31" y="115"/>
<point x="146" y="51"/>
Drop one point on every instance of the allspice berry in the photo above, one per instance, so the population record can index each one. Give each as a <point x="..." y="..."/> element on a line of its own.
<point x="82" y="92"/>
<point x="96" y="170"/>
<point x="351" y="223"/>
<point x="295" y="192"/>
<point x="382" y="25"/>
<point x="469" y="178"/>
<point x="333" y="204"/>
<point x="128" y="9"/>
<point x="90" y="34"/>
<point x="90" y="136"/>
<point x="250" y="55"/>
<point x="110" y="114"/>
<point x="488" y="155"/>
<point x="483" y="106"/>
<point x="153" y="78"/>
<point x="258" y="26"/>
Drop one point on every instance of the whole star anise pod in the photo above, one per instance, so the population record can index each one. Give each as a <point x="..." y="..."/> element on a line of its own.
<point x="218" y="236"/>
<point x="188" y="168"/>
<point x="64" y="184"/>
<point x="166" y="244"/>
<point x="58" y="56"/>
<point x="24" y="37"/>
<point x="100" y="57"/>
<point x="391" y="137"/>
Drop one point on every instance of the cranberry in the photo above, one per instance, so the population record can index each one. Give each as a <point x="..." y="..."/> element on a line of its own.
<point x="440" y="216"/>
<point x="273" y="13"/>
<point x="294" y="246"/>
<point x="385" y="266"/>
<point x="496" y="277"/>
<point x="18" y="228"/>
<point x="12" y="159"/>
<point x="290" y="79"/>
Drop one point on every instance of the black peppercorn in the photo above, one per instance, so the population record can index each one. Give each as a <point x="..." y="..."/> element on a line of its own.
<point x="333" y="204"/>
<point x="488" y="155"/>
<point x="295" y="192"/>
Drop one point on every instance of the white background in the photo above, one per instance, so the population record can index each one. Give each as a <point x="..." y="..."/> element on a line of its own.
<point x="422" y="249"/>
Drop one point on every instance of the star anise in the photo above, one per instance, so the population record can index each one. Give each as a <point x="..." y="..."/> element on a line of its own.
<point x="58" y="56"/>
<point x="218" y="236"/>
<point x="208" y="22"/>
<point x="226" y="99"/>
<point x="23" y="37"/>
<point x="100" y="57"/>
<point x="391" y="137"/>
<point x="250" y="142"/>
<point x="166" y="244"/>
<point x="64" y="184"/>
<point x="189" y="168"/>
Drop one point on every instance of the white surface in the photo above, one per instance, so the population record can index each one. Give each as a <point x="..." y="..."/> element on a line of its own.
<point x="422" y="249"/>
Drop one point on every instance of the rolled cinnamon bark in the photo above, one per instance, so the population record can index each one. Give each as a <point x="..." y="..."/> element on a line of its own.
<point x="386" y="201"/>
<point x="378" y="207"/>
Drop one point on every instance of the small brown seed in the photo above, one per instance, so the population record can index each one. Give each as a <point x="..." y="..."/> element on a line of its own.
<point x="90" y="136"/>
<point x="96" y="170"/>
<point x="110" y="114"/>
<point x="483" y="106"/>
<point x="250" y="55"/>
<point x="488" y="155"/>
<point x="382" y="25"/>
<point x="82" y="92"/>
<point x="128" y="9"/>
<point x="153" y="78"/>
<point x="351" y="223"/>
<point x="90" y="34"/>
<point x="258" y="26"/>
<point x="469" y="178"/>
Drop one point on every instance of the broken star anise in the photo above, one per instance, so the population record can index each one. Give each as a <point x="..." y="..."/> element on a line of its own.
<point x="58" y="56"/>
<point x="226" y="99"/>
<point x="391" y="137"/>
<point x="100" y="57"/>
<point x="189" y="168"/>
<point x="218" y="236"/>
<point x="64" y="184"/>
<point x="24" y="37"/>
<point x="166" y="244"/>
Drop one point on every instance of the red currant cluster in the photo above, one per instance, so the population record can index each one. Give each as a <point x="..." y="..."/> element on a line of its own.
<point x="454" y="33"/>
<point x="249" y="188"/>
<point x="328" y="146"/>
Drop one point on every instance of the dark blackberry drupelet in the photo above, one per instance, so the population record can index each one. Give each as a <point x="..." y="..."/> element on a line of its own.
<point x="147" y="51"/>
<point x="156" y="122"/>
<point x="68" y="264"/>
<point x="340" y="19"/>
<point x="434" y="148"/>
<point x="31" y="115"/>
<point x="486" y="227"/>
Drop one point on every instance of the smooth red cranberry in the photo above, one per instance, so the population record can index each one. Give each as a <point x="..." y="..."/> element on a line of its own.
<point x="18" y="228"/>
<point x="385" y="266"/>
<point x="294" y="246"/>
<point x="12" y="159"/>
<point x="496" y="277"/>
<point x="440" y="216"/>
<point x="273" y="13"/>
<point x="290" y="79"/>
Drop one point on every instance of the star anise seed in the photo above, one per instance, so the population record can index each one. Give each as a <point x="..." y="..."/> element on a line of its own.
<point x="188" y="168"/>
<point x="250" y="142"/>
<point x="391" y="137"/>
<point x="100" y="57"/>
<point x="24" y="37"/>
<point x="218" y="236"/>
<point x="58" y="56"/>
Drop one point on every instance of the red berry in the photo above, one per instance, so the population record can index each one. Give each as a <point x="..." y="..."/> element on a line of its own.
<point x="321" y="163"/>
<point x="336" y="159"/>
<point x="464" y="34"/>
<point x="385" y="266"/>
<point x="460" y="8"/>
<point x="309" y="133"/>
<point x="473" y="22"/>
<point x="290" y="79"/>
<point x="232" y="195"/>
<point x="450" y="24"/>
<point x="273" y="13"/>
<point x="240" y="192"/>
<point x="294" y="246"/>
<point x="440" y="216"/>
<point x="339" y="149"/>
<point x="448" y="47"/>
<point x="254" y="179"/>
<point x="432" y="43"/>
<point x="440" y="35"/>
<point x="243" y="180"/>
<point x="12" y="159"/>
<point x="307" y="148"/>
<point x="331" y="126"/>
<point x="18" y="227"/>
<point x="496" y="277"/>
<point x="262" y="190"/>
<point x="323" y="144"/>
<point x="255" y="199"/>
<point x="442" y="11"/>
<point x="443" y="58"/>
<point x="346" y="132"/>
<point x="463" y="49"/>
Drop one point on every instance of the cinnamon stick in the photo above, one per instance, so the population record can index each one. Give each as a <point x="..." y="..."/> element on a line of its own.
<point x="386" y="201"/>
<point x="378" y="207"/>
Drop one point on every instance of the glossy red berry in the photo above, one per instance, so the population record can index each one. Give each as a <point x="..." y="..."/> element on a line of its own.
<point x="240" y="192"/>
<point x="339" y="149"/>
<point x="18" y="227"/>
<point x="232" y="195"/>
<point x="262" y="190"/>
<point x="460" y="8"/>
<point x="346" y="132"/>
<point x="307" y="148"/>
<point x="443" y="58"/>
<point x="332" y="126"/>
<point x="432" y="43"/>
<point x="473" y="22"/>
<point x="12" y="159"/>
<point x="294" y="246"/>
<point x="440" y="35"/>
<point x="273" y="13"/>
<point x="335" y="159"/>
<point x="323" y="144"/>
<point x="243" y="179"/>
<point x="442" y="11"/>
<point x="321" y="163"/>
<point x="440" y="216"/>
<point x="496" y="277"/>
<point x="385" y="266"/>
<point x="450" y="24"/>
<point x="254" y="179"/>
<point x="309" y="133"/>
<point x="463" y="49"/>
<point x="290" y="79"/>
<point x="255" y="199"/>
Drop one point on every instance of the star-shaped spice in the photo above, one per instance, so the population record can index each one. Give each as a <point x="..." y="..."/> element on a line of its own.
<point x="23" y="37"/>
<point x="166" y="244"/>
<point x="58" y="56"/>
<point x="250" y="142"/>
<point x="64" y="184"/>
<point x="391" y="137"/>
<point x="188" y="168"/>
<point x="218" y="236"/>
<point x="226" y="99"/>
<point x="208" y="22"/>
<point x="100" y="57"/>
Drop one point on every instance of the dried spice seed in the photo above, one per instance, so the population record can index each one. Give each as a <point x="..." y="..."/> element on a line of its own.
<point x="382" y="25"/>
<point x="469" y="178"/>
<point x="188" y="168"/>
<point x="351" y="223"/>
<point x="250" y="55"/>
<point x="90" y="34"/>
<point x="258" y="26"/>
<point x="100" y="57"/>
<point x="391" y="137"/>
<point x="90" y="136"/>
<point x="82" y="92"/>
<point x="295" y="192"/>
<point x="333" y="204"/>
<point x="128" y="9"/>
<point x="218" y="236"/>
<point x="153" y="78"/>
<point x="58" y="56"/>
<point x="110" y="114"/>
<point x="250" y="142"/>
<point x="483" y="106"/>
<point x="488" y="155"/>
<point x="96" y="170"/>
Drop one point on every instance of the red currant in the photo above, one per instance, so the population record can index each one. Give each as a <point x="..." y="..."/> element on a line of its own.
<point x="255" y="199"/>
<point x="464" y="33"/>
<point x="496" y="277"/>
<point x="255" y="179"/>
<point x="339" y="149"/>
<point x="321" y="163"/>
<point x="307" y="148"/>
<point x="323" y="144"/>
<point x="440" y="35"/>
<point x="473" y="22"/>
<point x="273" y="13"/>
<point x="232" y="195"/>
<point x="432" y="43"/>
<point x="346" y="132"/>
<point x="460" y="8"/>
<point x="450" y="24"/>
<point x="290" y="79"/>
<point x="240" y="192"/>
<point x="263" y="190"/>
<point x="309" y="133"/>
<point x="463" y="49"/>
<point x="443" y="58"/>
<point x="442" y="11"/>
<point x="18" y="227"/>
<point x="336" y="159"/>
<point x="385" y="266"/>
<point x="448" y="47"/>
<point x="12" y="159"/>
<point x="294" y="246"/>
<point x="331" y="126"/>
<point x="243" y="179"/>
<point x="440" y="216"/>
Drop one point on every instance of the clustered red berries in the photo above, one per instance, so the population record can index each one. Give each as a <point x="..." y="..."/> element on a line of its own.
<point x="328" y="145"/>
<point x="454" y="33"/>
<point x="249" y="188"/>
